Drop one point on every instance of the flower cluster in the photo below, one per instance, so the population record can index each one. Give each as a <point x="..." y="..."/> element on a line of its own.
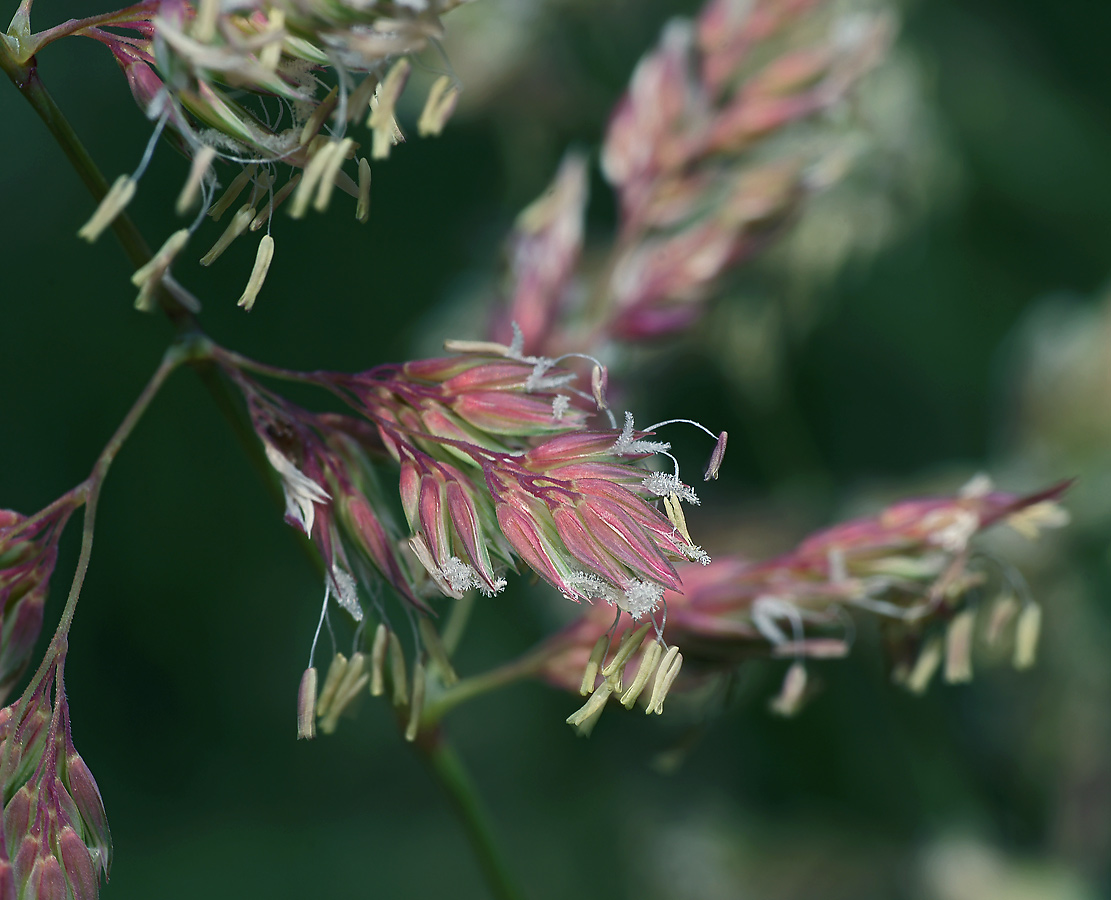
<point x="701" y="184"/>
<point x="495" y="465"/>
<point x="56" y="844"/>
<point x="258" y="86"/>
<point x="913" y="567"/>
<point x="28" y="552"/>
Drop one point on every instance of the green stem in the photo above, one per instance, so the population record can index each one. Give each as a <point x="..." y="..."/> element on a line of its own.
<point x="469" y="688"/>
<point x="24" y="75"/>
<point x="448" y="770"/>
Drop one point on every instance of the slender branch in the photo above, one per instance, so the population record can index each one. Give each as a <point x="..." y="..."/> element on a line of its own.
<point x="445" y="765"/>
<point x="246" y="364"/>
<point x="476" y="685"/>
<point x="174" y="357"/>
<point x="136" y="13"/>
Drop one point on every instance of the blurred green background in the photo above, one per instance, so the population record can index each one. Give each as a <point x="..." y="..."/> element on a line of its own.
<point x="944" y="316"/>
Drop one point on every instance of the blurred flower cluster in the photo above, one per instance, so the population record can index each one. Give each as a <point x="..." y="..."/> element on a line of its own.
<point x="708" y="167"/>
<point x="913" y="567"/>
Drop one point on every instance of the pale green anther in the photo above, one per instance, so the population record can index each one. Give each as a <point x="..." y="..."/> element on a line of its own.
<point x="1003" y="612"/>
<point x="328" y="174"/>
<point x="592" y="707"/>
<point x="397" y="671"/>
<point x="342" y="701"/>
<point x="232" y="193"/>
<point x="204" y="24"/>
<point x="378" y="661"/>
<point x="258" y="274"/>
<point x="925" y="666"/>
<point x="791" y="694"/>
<point x="666" y="671"/>
<point x="118" y="196"/>
<point x="147" y="277"/>
<point x="590" y="675"/>
<point x="359" y="99"/>
<point x="362" y="207"/>
<point x="381" y="115"/>
<point x="958" y="647"/>
<point x="286" y="189"/>
<point x="416" y="707"/>
<point x="316" y="120"/>
<point x="350" y="685"/>
<point x="306" y="703"/>
<point x="438" y="107"/>
<point x="356" y="667"/>
<point x="648" y="662"/>
<point x="310" y="178"/>
<point x="430" y="637"/>
<point x="197" y="171"/>
<point x="331" y="682"/>
<point x="1026" y="635"/>
<point x="236" y="227"/>
<point x="630" y="643"/>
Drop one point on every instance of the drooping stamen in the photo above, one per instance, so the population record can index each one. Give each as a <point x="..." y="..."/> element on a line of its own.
<point x="958" y="647"/>
<point x="1026" y="635"/>
<point x="258" y="273"/>
<point x="362" y="207"/>
<point x="397" y="671"/>
<point x="417" y="705"/>
<point x="648" y="662"/>
<point x="306" y="706"/>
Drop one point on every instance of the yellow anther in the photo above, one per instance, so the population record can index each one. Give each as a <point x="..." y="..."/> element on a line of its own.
<point x="673" y="507"/>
